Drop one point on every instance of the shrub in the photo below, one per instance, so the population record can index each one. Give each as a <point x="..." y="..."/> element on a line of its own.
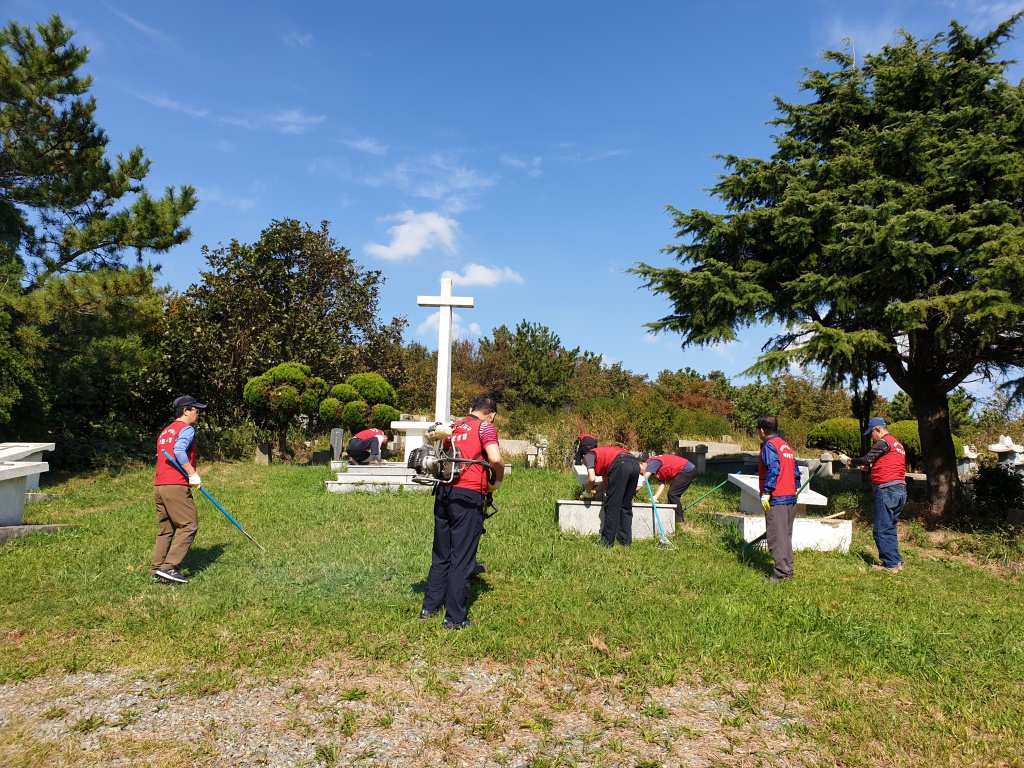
<point x="277" y="397"/>
<point x="372" y="388"/>
<point x="382" y="415"/>
<point x="998" y="488"/>
<point x="836" y="435"/>
<point x="701" y="424"/>
<point x="353" y="416"/>
<point x="907" y="433"/>
<point x="331" y="412"/>
<point x="344" y="393"/>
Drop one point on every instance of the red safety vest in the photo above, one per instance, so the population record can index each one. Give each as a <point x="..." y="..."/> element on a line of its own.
<point x="605" y="454"/>
<point x="366" y="434"/>
<point x="891" y="466"/>
<point x="466" y="437"/>
<point x="167" y="473"/>
<point x="671" y="465"/>
<point x="785" y="485"/>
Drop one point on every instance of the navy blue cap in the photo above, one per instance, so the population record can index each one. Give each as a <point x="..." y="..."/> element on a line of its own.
<point x="186" y="401"/>
<point x="878" y="421"/>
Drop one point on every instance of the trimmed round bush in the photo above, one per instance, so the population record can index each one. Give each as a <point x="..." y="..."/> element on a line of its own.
<point x="372" y="388"/>
<point x="344" y="393"/>
<point x="284" y="399"/>
<point x="256" y="394"/>
<point x="836" y="435"/>
<point x="382" y="415"/>
<point x="331" y="410"/>
<point x="353" y="416"/>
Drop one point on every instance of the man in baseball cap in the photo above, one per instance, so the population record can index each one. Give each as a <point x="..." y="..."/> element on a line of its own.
<point x="176" y="512"/>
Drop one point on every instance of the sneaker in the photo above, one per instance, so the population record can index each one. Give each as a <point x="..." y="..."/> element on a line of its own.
<point x="172" y="574"/>
<point x="425" y="614"/>
<point x="451" y="626"/>
<point x="894" y="569"/>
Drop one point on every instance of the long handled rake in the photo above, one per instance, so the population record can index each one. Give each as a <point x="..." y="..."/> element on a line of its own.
<point x="761" y="542"/>
<point x="206" y="493"/>
<point x="663" y="542"/>
<point x="724" y="482"/>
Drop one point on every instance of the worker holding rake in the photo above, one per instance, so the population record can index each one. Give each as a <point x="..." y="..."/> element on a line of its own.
<point x="175" y="508"/>
<point x="668" y="468"/>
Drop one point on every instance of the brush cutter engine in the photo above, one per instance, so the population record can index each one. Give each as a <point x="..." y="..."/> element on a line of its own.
<point x="436" y="464"/>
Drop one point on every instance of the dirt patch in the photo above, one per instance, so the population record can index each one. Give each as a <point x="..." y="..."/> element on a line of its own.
<point x="346" y="712"/>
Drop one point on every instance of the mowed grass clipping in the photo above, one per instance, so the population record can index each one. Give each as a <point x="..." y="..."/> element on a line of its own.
<point x="925" y="666"/>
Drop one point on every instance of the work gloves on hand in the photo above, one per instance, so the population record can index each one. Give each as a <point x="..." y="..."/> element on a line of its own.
<point x="586" y="495"/>
<point x="766" y="501"/>
<point x="844" y="459"/>
<point x="194" y="481"/>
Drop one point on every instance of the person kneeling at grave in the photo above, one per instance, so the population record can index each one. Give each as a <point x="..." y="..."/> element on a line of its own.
<point x="367" y="447"/>
<point x="619" y="471"/>
<point x="668" y="468"/>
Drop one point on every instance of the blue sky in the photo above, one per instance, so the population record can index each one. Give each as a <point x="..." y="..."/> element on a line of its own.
<point x="527" y="149"/>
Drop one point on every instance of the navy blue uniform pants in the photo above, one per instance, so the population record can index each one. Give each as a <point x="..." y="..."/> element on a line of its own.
<point x="678" y="488"/>
<point x="458" y="525"/>
<point x="623" y="475"/>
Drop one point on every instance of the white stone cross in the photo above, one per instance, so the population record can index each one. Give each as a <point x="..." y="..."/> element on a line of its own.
<point x="445" y="302"/>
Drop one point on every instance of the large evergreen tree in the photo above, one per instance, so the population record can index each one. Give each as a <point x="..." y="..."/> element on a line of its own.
<point x="886" y="227"/>
<point x="59" y="193"/>
<point x="295" y="294"/>
<point x="67" y="217"/>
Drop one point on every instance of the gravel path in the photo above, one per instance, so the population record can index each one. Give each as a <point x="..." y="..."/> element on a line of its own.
<point x="348" y="712"/>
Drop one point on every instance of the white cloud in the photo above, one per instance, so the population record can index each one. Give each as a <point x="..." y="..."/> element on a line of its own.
<point x="437" y="177"/>
<point x="152" y="34"/>
<point x="416" y="233"/>
<point x="531" y="167"/>
<point x="429" y="327"/>
<point x="298" y="40"/>
<point x="367" y="146"/>
<point x="214" y="195"/>
<point x="289" y="121"/>
<point x="477" y="274"/>
<point x="164" y="102"/>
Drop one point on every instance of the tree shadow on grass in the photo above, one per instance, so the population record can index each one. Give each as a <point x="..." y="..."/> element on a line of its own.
<point x="201" y="558"/>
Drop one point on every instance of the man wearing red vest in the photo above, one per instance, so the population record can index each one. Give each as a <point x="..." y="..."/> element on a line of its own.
<point x="887" y="462"/>
<point x="619" y="471"/>
<point x="175" y="508"/>
<point x="668" y="468"/>
<point x="779" y="481"/>
<point x="459" y="515"/>
<point x="367" y="447"/>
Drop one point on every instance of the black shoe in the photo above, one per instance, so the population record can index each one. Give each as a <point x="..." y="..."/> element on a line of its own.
<point x="172" y="574"/>
<point x="451" y="626"/>
<point x="425" y="614"/>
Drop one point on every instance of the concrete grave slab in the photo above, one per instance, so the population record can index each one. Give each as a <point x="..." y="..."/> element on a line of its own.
<point x="750" y="496"/>
<point x="815" y="533"/>
<point x="587" y="517"/>
<point x="32" y="452"/>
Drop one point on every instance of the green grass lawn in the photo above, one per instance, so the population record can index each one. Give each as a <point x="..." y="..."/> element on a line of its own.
<point x="920" y="668"/>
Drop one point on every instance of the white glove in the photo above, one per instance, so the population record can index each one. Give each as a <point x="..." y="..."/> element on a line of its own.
<point x="194" y="481"/>
<point x="766" y="501"/>
<point x="844" y="459"/>
<point x="586" y="495"/>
